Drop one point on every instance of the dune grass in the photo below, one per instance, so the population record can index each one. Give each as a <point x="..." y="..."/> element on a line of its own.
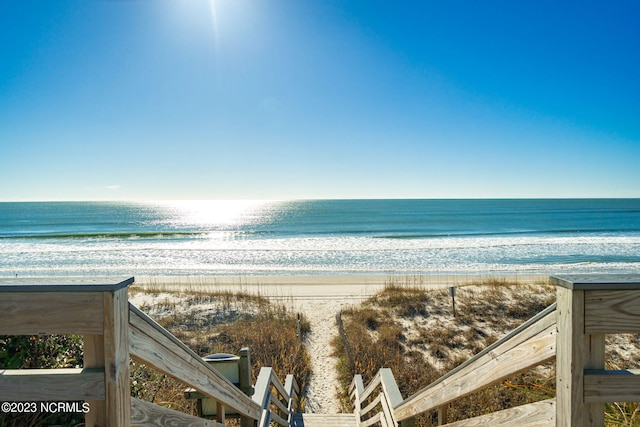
<point x="413" y="332"/>
<point x="224" y="322"/>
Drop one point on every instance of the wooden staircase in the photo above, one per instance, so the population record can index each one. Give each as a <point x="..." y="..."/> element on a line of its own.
<point x="323" y="420"/>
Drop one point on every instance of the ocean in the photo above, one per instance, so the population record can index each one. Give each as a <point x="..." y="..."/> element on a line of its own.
<point x="318" y="237"/>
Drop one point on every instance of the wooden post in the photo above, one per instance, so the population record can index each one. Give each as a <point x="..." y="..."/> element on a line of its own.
<point x="452" y="294"/>
<point x="443" y="415"/>
<point x="244" y="374"/>
<point x="116" y="358"/>
<point x="576" y="351"/>
<point x="220" y="412"/>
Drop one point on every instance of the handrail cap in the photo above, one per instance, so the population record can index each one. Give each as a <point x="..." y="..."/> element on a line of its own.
<point x="594" y="282"/>
<point x="87" y="284"/>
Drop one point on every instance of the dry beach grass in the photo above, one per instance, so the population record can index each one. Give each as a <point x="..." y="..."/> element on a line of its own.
<point x="414" y="332"/>
<point x="224" y="322"/>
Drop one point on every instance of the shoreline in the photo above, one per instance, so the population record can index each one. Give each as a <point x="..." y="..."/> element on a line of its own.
<point x="317" y="287"/>
<point x="298" y="287"/>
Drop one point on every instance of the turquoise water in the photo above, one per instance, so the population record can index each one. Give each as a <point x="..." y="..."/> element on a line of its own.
<point x="320" y="237"/>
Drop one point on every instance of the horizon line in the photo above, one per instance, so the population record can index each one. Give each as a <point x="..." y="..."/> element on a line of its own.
<point x="141" y="200"/>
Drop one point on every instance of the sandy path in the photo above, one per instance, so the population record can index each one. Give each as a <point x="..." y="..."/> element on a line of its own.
<point x="321" y="393"/>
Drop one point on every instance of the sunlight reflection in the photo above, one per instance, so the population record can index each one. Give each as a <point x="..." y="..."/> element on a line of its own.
<point x="218" y="213"/>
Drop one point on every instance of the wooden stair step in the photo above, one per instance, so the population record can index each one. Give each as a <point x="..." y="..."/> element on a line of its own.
<point x="323" y="420"/>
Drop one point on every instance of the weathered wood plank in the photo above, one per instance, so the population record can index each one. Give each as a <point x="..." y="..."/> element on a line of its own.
<point x="611" y="386"/>
<point x="357" y="390"/>
<point x="323" y="420"/>
<point x="569" y="387"/>
<point x="387" y="411"/>
<point x="278" y="386"/>
<point x="282" y="407"/>
<point x="390" y="387"/>
<point x="612" y="312"/>
<point x="538" y="414"/>
<point x="153" y="345"/>
<point x="371" y="421"/>
<point x="265" y="418"/>
<point x="265" y="398"/>
<point x="25" y="313"/>
<point x="278" y="419"/>
<point x="375" y="402"/>
<point x="51" y="384"/>
<point x="357" y="387"/>
<point x="375" y="382"/>
<point x="443" y="415"/>
<point x="391" y="395"/>
<point x="530" y="345"/>
<point x="146" y="414"/>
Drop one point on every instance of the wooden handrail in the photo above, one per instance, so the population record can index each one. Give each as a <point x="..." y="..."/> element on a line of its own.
<point x="537" y="414"/>
<point x="151" y="344"/>
<point x="527" y="346"/>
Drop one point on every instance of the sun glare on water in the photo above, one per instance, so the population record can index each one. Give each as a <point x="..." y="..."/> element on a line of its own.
<point x="217" y="213"/>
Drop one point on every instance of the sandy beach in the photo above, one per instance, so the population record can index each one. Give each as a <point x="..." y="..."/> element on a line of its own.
<point x="313" y="288"/>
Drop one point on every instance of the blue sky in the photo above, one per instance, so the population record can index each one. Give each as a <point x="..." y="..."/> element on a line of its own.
<point x="280" y="99"/>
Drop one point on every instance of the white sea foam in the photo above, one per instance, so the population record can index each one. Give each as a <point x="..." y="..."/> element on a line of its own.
<point x="320" y="237"/>
<point x="340" y="255"/>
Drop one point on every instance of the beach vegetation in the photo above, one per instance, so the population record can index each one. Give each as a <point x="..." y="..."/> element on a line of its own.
<point x="40" y="351"/>
<point x="417" y="335"/>
<point x="224" y="322"/>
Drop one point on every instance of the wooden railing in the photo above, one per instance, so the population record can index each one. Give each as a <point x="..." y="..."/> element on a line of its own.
<point x="277" y="402"/>
<point x="154" y="346"/>
<point x="379" y="399"/>
<point x="572" y="331"/>
<point x="115" y="331"/>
